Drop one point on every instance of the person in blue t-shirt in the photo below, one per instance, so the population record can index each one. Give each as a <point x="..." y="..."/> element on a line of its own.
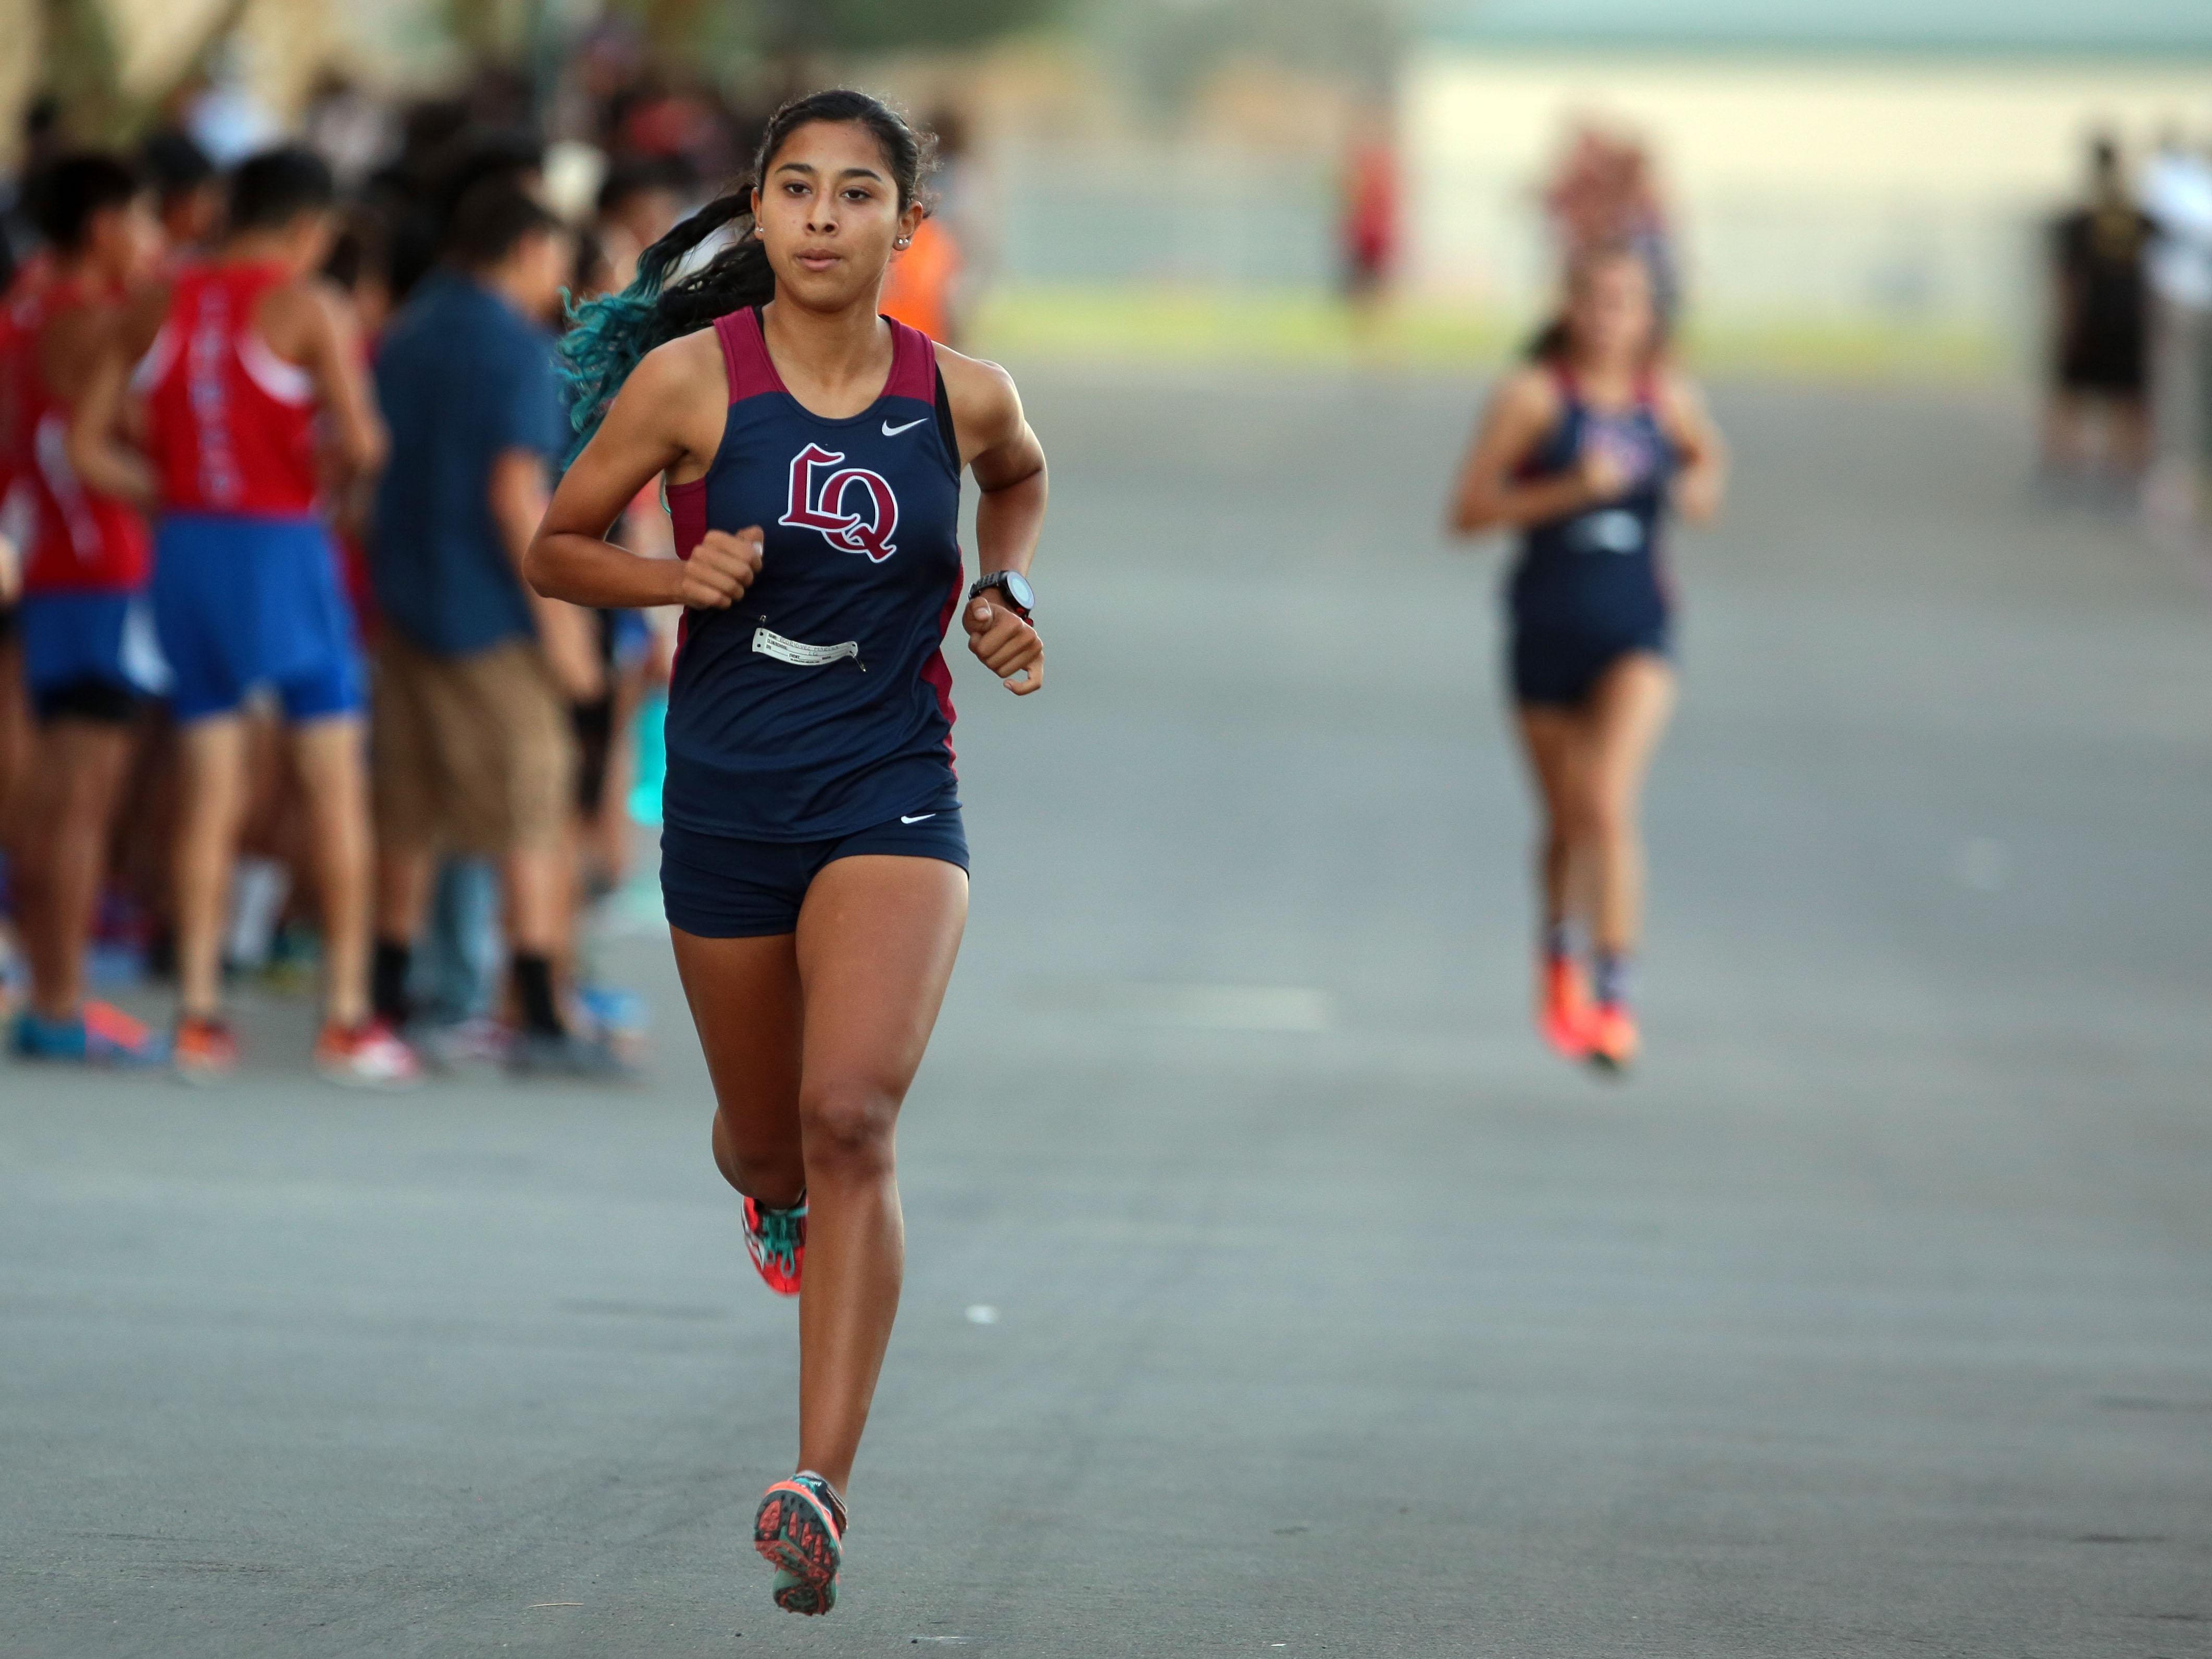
<point x="472" y="749"/>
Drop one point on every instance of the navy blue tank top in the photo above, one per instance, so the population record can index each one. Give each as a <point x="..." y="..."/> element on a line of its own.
<point x="1600" y="570"/>
<point x="820" y="703"/>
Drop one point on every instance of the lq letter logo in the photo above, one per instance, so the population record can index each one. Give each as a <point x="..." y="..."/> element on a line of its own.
<point x="819" y="503"/>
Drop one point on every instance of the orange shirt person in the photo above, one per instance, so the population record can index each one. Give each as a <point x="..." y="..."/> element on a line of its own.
<point x="918" y="287"/>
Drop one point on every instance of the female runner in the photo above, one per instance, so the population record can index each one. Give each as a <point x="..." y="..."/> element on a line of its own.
<point x="813" y="862"/>
<point x="1584" y="449"/>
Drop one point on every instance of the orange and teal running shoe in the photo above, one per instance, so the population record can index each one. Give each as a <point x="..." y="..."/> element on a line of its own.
<point x="97" y="1035"/>
<point x="777" y="1241"/>
<point x="203" y="1049"/>
<point x="800" y="1530"/>
<point x="1613" y="1039"/>
<point x="1564" y="1014"/>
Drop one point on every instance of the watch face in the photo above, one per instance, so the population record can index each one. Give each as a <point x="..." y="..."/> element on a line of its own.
<point x="1017" y="589"/>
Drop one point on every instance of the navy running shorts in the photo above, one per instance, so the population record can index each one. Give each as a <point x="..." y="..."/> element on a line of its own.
<point x="722" y="887"/>
<point x="1559" y="668"/>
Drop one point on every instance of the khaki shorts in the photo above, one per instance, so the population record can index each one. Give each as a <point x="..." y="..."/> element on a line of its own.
<point x="474" y="753"/>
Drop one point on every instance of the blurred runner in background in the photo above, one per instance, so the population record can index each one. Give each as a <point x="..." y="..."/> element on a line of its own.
<point x="640" y="201"/>
<point x="1605" y="191"/>
<point x="187" y="190"/>
<point x="475" y="672"/>
<point x="2101" y="329"/>
<point x="88" y="652"/>
<point x="1367" y="224"/>
<point x="1585" y="450"/>
<point x="245" y="358"/>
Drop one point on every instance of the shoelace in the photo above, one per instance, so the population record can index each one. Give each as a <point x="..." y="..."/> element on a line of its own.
<point x="779" y="1233"/>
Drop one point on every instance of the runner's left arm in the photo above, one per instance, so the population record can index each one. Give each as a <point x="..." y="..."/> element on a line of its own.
<point x="1002" y="450"/>
<point x="1702" y="483"/>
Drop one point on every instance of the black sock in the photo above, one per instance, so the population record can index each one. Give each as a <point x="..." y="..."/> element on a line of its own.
<point x="388" y="983"/>
<point x="533" y="989"/>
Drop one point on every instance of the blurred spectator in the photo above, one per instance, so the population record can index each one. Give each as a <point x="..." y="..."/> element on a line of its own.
<point x="1603" y="192"/>
<point x="475" y="672"/>
<point x="346" y="127"/>
<point x="1367" y="226"/>
<point x="639" y="203"/>
<point x="187" y="193"/>
<point x="2100" y="326"/>
<point x="259" y="373"/>
<point x="87" y="639"/>
<point x="221" y="110"/>
<point x="2177" y="194"/>
<point x="919" y="288"/>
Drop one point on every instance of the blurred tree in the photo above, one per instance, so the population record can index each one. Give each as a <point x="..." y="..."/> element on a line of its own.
<point x="84" y="71"/>
<point x="883" y="25"/>
<point x="493" y="31"/>
<point x="83" y="66"/>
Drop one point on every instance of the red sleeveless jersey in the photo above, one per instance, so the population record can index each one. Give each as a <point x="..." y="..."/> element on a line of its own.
<point x="78" y="540"/>
<point x="230" y="425"/>
<point x="18" y="309"/>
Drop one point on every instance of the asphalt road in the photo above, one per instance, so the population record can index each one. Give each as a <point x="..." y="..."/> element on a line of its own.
<point x="1873" y="1317"/>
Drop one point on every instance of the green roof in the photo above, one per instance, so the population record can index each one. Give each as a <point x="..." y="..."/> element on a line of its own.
<point x="2089" y="27"/>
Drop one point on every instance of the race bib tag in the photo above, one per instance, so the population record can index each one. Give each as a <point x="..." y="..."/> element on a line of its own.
<point x="804" y="656"/>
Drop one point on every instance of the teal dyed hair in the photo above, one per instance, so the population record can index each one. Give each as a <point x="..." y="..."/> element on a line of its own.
<point x="608" y="336"/>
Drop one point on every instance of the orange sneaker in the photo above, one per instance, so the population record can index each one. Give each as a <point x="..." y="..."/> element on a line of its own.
<point x="203" y="1050"/>
<point x="1563" y="1007"/>
<point x="1612" y="1038"/>
<point x="369" y="1055"/>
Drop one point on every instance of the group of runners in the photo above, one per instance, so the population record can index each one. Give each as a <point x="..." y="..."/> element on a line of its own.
<point x="811" y="453"/>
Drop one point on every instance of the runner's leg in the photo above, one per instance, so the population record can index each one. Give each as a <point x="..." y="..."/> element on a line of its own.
<point x="77" y="774"/>
<point x="745" y="1000"/>
<point x="214" y="753"/>
<point x="1628" y="711"/>
<point x="1558" y="744"/>
<point x="334" y="777"/>
<point x="876" y="943"/>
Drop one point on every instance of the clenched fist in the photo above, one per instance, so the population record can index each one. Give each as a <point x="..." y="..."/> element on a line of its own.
<point x="721" y="568"/>
<point x="1004" y="644"/>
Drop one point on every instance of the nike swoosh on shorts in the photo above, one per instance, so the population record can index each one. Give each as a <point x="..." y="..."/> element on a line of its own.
<point x="916" y="818"/>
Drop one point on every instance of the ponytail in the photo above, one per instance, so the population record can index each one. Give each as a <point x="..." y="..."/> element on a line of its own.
<point x="610" y="334"/>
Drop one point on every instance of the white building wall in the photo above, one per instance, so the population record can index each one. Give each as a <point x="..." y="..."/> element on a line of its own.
<point x="1896" y="188"/>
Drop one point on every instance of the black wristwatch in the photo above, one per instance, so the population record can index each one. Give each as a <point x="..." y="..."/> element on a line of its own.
<point x="1014" y="585"/>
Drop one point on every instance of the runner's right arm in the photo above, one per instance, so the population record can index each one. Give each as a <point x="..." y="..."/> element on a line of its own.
<point x="99" y="452"/>
<point x="1489" y="496"/>
<point x="666" y="419"/>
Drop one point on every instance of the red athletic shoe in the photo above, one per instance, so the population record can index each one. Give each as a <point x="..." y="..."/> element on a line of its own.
<point x="369" y="1055"/>
<point x="203" y="1050"/>
<point x="1612" y="1039"/>
<point x="1563" y="1007"/>
<point x="800" y="1530"/>
<point x="777" y="1241"/>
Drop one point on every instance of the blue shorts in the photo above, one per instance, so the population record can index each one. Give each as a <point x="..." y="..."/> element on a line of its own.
<point x="721" y="887"/>
<point x="90" y="654"/>
<point x="243" y="603"/>
<point x="1558" y="668"/>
